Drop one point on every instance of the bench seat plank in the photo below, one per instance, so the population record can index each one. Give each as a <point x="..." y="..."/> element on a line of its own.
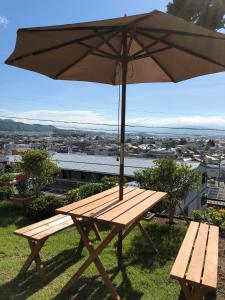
<point x="46" y="227"/>
<point x="53" y="230"/>
<point x="196" y="265"/>
<point x="24" y="230"/>
<point x="181" y="262"/>
<point x="209" y="277"/>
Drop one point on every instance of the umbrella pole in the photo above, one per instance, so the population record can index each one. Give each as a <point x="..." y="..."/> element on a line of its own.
<point x="122" y="142"/>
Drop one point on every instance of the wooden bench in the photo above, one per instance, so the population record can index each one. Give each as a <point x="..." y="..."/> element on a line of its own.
<point x="197" y="261"/>
<point x="38" y="233"/>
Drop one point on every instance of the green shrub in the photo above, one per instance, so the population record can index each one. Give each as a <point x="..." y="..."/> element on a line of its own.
<point x="22" y="188"/>
<point x="6" y="192"/>
<point x="91" y="189"/>
<point x="109" y="182"/>
<point x="6" y="178"/>
<point x="73" y="195"/>
<point x="211" y="215"/>
<point x="44" y="207"/>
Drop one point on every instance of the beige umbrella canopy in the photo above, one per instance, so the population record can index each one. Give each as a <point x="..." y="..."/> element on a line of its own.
<point x="160" y="48"/>
<point x="152" y="47"/>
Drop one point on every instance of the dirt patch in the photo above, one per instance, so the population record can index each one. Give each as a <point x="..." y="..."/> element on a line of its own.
<point x="164" y="220"/>
<point x="221" y="271"/>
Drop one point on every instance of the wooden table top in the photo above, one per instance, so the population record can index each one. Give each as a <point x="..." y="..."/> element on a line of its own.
<point x="106" y="206"/>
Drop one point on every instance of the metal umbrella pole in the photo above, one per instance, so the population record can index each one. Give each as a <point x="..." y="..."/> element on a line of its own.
<point x="122" y="140"/>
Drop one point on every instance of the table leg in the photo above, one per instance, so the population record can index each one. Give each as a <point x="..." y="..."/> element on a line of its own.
<point x="143" y="231"/>
<point x="93" y="257"/>
<point x="90" y="227"/>
<point x="120" y="249"/>
<point x="147" y="237"/>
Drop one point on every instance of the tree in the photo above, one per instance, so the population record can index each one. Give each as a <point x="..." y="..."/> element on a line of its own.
<point x="168" y="176"/>
<point x="38" y="168"/>
<point x="182" y="141"/>
<point x="206" y="13"/>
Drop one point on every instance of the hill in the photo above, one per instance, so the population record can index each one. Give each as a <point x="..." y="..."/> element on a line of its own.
<point x="12" y="126"/>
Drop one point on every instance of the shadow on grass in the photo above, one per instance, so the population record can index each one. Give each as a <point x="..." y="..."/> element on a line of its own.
<point x="24" y="286"/>
<point x="167" y="239"/>
<point x="12" y="215"/>
<point x="92" y="288"/>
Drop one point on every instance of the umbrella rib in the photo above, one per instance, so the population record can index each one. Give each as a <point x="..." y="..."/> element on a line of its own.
<point x="109" y="55"/>
<point x="171" y="31"/>
<point x="185" y="50"/>
<point x="150" y="53"/>
<point x="156" y="61"/>
<point x="152" y="44"/>
<point x="90" y="51"/>
<point x="107" y="42"/>
<point x="78" y="41"/>
<point x="104" y="56"/>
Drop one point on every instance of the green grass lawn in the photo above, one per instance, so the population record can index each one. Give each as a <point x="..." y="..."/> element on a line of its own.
<point x="144" y="275"/>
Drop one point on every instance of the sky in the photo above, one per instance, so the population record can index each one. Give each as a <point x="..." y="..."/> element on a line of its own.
<point x="196" y="102"/>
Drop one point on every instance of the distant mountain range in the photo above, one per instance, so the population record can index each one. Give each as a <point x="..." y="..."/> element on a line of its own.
<point x="12" y="126"/>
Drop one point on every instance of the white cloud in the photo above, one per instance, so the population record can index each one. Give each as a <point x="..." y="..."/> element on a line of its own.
<point x="3" y="21"/>
<point x="88" y="116"/>
<point x="181" y="121"/>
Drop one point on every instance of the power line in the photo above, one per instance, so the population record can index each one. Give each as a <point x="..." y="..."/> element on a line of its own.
<point x="114" y="125"/>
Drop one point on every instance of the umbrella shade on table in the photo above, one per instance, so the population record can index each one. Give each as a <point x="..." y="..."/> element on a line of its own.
<point x="152" y="47"/>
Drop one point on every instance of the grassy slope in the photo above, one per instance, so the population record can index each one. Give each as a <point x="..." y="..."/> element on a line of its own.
<point x="145" y="275"/>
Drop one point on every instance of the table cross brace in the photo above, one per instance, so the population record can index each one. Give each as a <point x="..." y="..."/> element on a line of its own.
<point x="94" y="257"/>
<point x="143" y="231"/>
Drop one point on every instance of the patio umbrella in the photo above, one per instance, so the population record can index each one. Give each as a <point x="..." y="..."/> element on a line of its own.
<point x="152" y="47"/>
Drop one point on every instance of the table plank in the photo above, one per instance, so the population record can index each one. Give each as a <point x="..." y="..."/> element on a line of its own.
<point x="86" y="201"/>
<point x="195" y="268"/>
<point x="108" y="207"/>
<point x="181" y="262"/>
<point x="123" y="206"/>
<point x="138" y="210"/>
<point x="209" y="277"/>
<point x="103" y="203"/>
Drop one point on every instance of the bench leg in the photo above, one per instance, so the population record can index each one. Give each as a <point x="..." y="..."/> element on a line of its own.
<point x="35" y="248"/>
<point x="193" y="292"/>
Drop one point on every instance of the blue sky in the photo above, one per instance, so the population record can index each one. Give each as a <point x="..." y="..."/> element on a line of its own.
<point x="199" y="101"/>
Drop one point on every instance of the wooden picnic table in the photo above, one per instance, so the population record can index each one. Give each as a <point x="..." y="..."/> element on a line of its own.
<point x="107" y="207"/>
